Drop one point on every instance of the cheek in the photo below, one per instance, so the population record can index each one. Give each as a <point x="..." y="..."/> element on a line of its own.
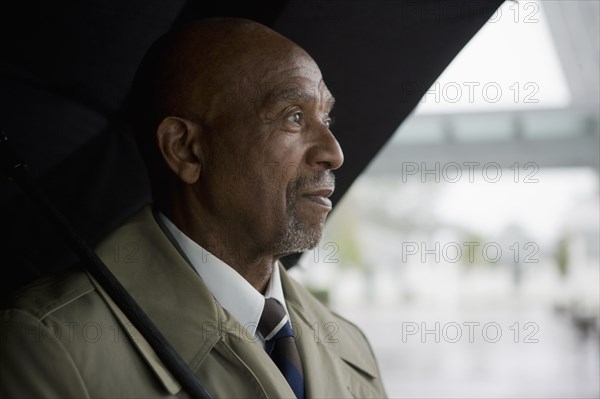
<point x="259" y="187"/>
<point x="286" y="155"/>
<point x="290" y="173"/>
<point x="264" y="169"/>
<point x="268" y="189"/>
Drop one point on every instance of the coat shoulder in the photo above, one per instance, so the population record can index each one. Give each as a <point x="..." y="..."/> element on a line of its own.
<point x="45" y="296"/>
<point x="36" y="361"/>
<point x="63" y="326"/>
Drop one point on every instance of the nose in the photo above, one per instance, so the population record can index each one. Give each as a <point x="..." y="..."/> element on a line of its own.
<point x="325" y="152"/>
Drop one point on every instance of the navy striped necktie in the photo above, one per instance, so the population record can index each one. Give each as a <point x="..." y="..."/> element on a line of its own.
<point x="280" y="344"/>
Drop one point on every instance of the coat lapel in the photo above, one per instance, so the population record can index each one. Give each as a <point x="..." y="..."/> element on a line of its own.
<point x="334" y="359"/>
<point x="258" y="365"/>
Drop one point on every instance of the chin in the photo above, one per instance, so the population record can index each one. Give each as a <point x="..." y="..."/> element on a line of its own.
<point x="299" y="236"/>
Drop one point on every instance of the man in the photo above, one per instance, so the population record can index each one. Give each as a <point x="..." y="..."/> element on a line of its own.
<point x="232" y="120"/>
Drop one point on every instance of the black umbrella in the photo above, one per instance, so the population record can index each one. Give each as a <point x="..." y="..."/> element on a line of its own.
<point x="66" y="69"/>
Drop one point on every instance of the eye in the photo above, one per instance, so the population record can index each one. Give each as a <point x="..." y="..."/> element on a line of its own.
<point x="296" y="117"/>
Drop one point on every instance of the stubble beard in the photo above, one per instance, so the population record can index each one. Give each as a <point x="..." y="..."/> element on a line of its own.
<point x="297" y="234"/>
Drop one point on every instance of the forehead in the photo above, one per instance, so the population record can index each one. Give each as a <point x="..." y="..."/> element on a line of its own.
<point x="299" y="90"/>
<point x="260" y="79"/>
<point x="295" y="81"/>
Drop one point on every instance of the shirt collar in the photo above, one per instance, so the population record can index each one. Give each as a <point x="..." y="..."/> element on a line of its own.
<point x="228" y="287"/>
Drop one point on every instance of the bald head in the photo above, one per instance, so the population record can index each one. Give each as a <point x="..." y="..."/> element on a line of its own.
<point x="199" y="69"/>
<point x="206" y="71"/>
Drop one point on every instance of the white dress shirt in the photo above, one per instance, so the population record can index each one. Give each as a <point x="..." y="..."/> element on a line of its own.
<point x="229" y="288"/>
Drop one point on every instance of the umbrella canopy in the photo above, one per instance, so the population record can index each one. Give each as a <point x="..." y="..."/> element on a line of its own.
<point x="65" y="73"/>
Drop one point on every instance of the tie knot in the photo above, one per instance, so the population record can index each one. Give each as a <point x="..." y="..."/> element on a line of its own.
<point x="273" y="319"/>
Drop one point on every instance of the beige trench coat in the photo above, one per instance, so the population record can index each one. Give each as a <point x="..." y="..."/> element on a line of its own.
<point x="63" y="337"/>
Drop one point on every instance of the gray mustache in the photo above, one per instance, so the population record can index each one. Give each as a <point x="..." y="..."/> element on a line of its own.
<point x="321" y="180"/>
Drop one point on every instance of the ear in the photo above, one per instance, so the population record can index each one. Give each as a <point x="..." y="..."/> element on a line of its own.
<point x="179" y="142"/>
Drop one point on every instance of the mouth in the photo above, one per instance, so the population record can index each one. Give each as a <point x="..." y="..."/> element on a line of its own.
<point x="320" y="197"/>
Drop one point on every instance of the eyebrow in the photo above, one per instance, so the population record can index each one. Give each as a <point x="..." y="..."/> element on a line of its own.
<point x="293" y="94"/>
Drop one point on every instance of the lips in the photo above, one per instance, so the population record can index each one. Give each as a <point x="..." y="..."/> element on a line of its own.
<point x="320" y="197"/>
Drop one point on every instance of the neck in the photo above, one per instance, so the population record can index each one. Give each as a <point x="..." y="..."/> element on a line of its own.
<point x="240" y="253"/>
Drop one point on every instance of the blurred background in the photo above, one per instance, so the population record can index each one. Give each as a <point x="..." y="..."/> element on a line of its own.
<point x="469" y="249"/>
